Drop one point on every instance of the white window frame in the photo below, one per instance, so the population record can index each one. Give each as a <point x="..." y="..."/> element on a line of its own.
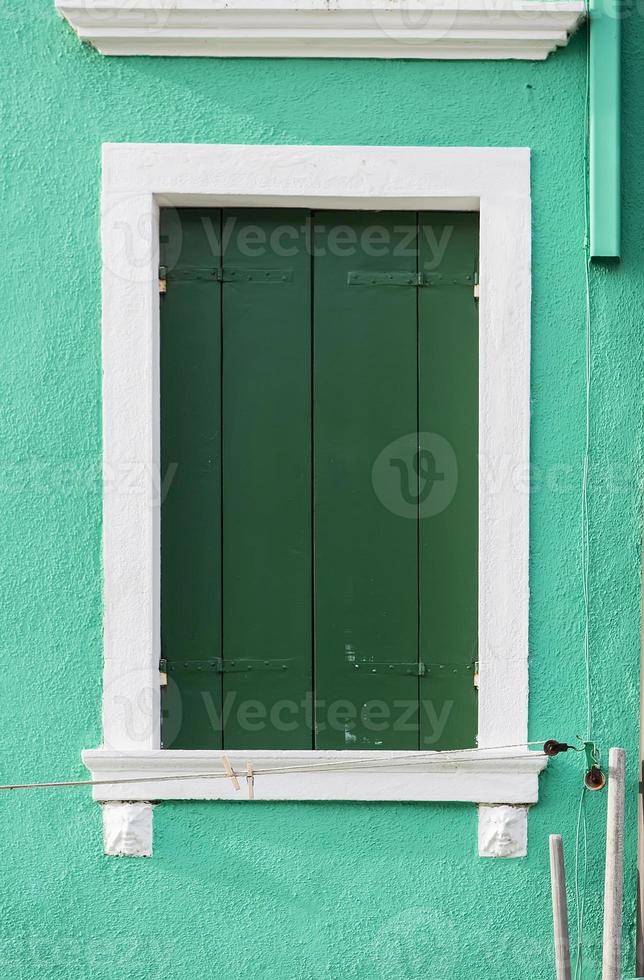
<point x="137" y="180"/>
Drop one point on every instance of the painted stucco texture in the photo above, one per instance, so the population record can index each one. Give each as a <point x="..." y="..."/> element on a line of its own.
<point x="297" y="891"/>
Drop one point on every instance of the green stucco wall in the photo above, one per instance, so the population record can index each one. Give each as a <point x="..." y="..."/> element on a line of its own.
<point x="295" y="891"/>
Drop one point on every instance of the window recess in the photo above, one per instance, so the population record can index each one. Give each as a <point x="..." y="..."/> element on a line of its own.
<point x="319" y="434"/>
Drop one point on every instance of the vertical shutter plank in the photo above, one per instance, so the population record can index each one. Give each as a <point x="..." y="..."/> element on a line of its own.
<point x="366" y="558"/>
<point x="190" y="477"/>
<point x="267" y="480"/>
<point x="448" y="503"/>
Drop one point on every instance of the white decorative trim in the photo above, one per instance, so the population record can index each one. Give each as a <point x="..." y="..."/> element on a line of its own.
<point x="478" y="776"/>
<point x="503" y="831"/>
<point x="524" y="29"/>
<point x="137" y="178"/>
<point x="127" y="829"/>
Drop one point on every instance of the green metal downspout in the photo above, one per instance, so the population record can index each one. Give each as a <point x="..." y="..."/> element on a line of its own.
<point x="605" y="129"/>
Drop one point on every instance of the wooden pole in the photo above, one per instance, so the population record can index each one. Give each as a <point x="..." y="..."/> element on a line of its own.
<point x="612" y="952"/>
<point x="559" y="907"/>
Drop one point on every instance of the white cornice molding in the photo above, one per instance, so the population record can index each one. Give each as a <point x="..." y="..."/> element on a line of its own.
<point x="443" y="29"/>
<point x="476" y="776"/>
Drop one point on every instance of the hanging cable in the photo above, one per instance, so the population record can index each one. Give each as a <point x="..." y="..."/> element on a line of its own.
<point x="585" y="537"/>
<point x="582" y="829"/>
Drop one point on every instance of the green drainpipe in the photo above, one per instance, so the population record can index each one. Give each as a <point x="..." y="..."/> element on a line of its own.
<point x="605" y="128"/>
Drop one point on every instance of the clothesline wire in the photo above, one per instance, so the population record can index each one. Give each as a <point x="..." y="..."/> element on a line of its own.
<point x="412" y="759"/>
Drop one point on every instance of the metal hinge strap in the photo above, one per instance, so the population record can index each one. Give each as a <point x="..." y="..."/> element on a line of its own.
<point x="383" y="279"/>
<point x="419" y="279"/>
<point x="208" y="274"/>
<point x="416" y="669"/>
<point x="440" y="279"/>
<point x="218" y="665"/>
<point x="257" y="275"/>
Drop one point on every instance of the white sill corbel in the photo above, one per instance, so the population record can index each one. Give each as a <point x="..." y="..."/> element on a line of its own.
<point x="445" y="29"/>
<point x="127" y="829"/>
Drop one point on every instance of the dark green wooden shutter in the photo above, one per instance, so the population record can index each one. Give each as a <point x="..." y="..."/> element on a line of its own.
<point x="345" y="507"/>
<point x="267" y="536"/>
<point x="366" y="553"/>
<point x="190" y="382"/>
<point x="448" y="525"/>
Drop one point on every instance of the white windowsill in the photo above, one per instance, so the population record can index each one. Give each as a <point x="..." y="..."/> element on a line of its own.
<point x="476" y="776"/>
<point x="446" y="29"/>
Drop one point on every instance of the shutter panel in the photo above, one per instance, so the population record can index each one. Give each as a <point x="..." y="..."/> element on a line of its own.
<point x="267" y="537"/>
<point x="448" y="503"/>
<point x="190" y="470"/>
<point x="382" y="409"/>
<point x="366" y="551"/>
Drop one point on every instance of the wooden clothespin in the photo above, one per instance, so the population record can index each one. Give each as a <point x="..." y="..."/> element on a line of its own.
<point x="250" y="779"/>
<point x="229" y="769"/>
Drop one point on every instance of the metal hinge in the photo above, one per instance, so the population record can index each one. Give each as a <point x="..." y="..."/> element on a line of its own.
<point x="415" y="669"/>
<point x="256" y="275"/>
<point x="218" y="665"/>
<point x="435" y="279"/>
<point x="372" y="667"/>
<point x="419" y="279"/>
<point x="208" y="274"/>
<point x="383" y="279"/>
